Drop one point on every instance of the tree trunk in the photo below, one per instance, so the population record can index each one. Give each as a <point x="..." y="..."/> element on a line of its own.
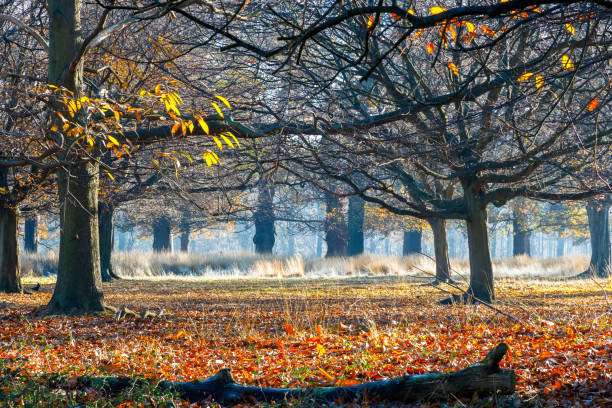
<point x="10" y="277"/>
<point x="185" y="239"/>
<point x="162" y="235"/>
<point x="520" y="229"/>
<point x="412" y="242"/>
<point x="107" y="240"/>
<point x="356" y="213"/>
<point x="265" y="231"/>
<point x="598" y="212"/>
<point x="336" y="230"/>
<point x="481" y="269"/>
<point x="560" y="245"/>
<point x="30" y="239"/>
<point x="79" y="283"/>
<point x="483" y="378"/>
<point x="438" y="227"/>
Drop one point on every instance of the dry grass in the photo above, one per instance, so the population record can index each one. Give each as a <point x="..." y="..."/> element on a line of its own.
<point x="249" y="265"/>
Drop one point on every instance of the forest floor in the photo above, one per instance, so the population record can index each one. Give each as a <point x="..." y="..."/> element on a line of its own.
<point x="310" y="332"/>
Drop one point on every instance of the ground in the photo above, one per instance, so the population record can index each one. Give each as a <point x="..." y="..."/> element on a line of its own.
<point x="311" y="332"/>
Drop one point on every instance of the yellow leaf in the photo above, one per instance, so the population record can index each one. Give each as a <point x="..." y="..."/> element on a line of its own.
<point x="233" y="137"/>
<point x="222" y="99"/>
<point x="593" y="105"/>
<point x="567" y="63"/>
<point x="570" y="28"/>
<point x="325" y="374"/>
<point x="142" y="93"/>
<point x="53" y="128"/>
<point x="190" y="126"/>
<point x="430" y="48"/>
<point x="539" y="81"/>
<point x="218" y="142"/>
<point x="157" y="88"/>
<point x="155" y="162"/>
<point x="175" y="127"/>
<point x="109" y="175"/>
<point x="411" y="12"/>
<point x="203" y="124"/>
<point x="113" y="140"/>
<point x="454" y="68"/>
<point x="525" y="77"/>
<point x="217" y="109"/>
<point x="370" y="21"/>
<point x="117" y="117"/>
<point x="488" y="31"/>
<point x="229" y="142"/>
<point x="436" y="10"/>
<point x="320" y="350"/>
<point x="90" y="141"/>
<point x="471" y="28"/>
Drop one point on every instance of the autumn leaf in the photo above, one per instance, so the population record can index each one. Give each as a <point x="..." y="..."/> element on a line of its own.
<point x="436" y="10"/>
<point x="570" y="28"/>
<point x="225" y="101"/>
<point x="525" y="77"/>
<point x="471" y="28"/>
<point x="566" y="63"/>
<point x="289" y="329"/>
<point x="453" y="68"/>
<point x="113" y="140"/>
<point x="593" y="105"/>
<point x="318" y="330"/>
<point x="395" y="17"/>
<point x="370" y="21"/>
<point x="430" y="48"/>
<point x="539" y="81"/>
<point x="218" y="109"/>
<point x="109" y="175"/>
<point x="325" y="374"/>
<point x="175" y="127"/>
<point x="320" y="350"/>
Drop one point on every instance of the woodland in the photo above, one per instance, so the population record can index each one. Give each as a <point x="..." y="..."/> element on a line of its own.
<point x="305" y="203"/>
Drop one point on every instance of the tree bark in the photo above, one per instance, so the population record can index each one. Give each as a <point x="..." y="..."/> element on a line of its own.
<point x="336" y="231"/>
<point x="79" y="282"/>
<point x="598" y="212"/>
<point x="30" y="239"/>
<point x="265" y="231"/>
<point x="356" y="214"/>
<point x="438" y="227"/>
<point x="412" y="242"/>
<point x="484" y="378"/>
<point x="520" y="228"/>
<point x="162" y="235"/>
<point x="481" y="268"/>
<point x="107" y="240"/>
<point x="10" y="276"/>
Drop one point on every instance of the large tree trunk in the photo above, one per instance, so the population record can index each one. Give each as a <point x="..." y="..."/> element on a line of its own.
<point x="107" y="240"/>
<point x="520" y="229"/>
<point x="264" y="218"/>
<point x="438" y="227"/>
<point x="412" y="242"/>
<point x="356" y="213"/>
<point x="481" y="268"/>
<point x="336" y="230"/>
<point x="30" y="235"/>
<point x="483" y="378"/>
<point x="598" y="212"/>
<point x="79" y="283"/>
<point x="10" y="277"/>
<point x="162" y="235"/>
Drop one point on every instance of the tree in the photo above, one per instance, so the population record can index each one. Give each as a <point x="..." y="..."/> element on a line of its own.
<point x="598" y="210"/>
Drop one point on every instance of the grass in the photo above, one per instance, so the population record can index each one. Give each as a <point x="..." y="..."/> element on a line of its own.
<point x="268" y="331"/>
<point x="249" y="265"/>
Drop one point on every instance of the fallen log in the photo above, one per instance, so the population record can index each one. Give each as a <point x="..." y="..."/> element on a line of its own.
<point x="484" y="378"/>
